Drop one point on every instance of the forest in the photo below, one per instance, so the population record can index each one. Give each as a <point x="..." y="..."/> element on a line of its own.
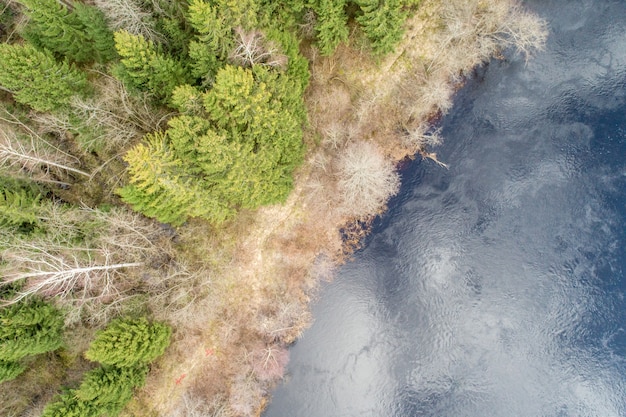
<point x="177" y="176"/>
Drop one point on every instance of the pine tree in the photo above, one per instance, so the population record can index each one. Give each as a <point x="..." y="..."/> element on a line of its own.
<point x="29" y="328"/>
<point x="81" y="35"/>
<point x="10" y="370"/>
<point x="382" y="23"/>
<point x="109" y="389"/>
<point x="332" y="24"/>
<point x="145" y="68"/>
<point x="36" y="79"/>
<point x="129" y="343"/>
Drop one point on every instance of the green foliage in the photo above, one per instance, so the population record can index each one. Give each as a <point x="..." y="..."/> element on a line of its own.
<point x="145" y="68"/>
<point x="332" y="24"/>
<point x="214" y="32"/>
<point x="81" y="35"/>
<point x="37" y="79"/>
<point x="236" y="148"/>
<point x="29" y="328"/>
<point x="19" y="209"/>
<point x="10" y="370"/>
<point x="239" y="13"/>
<point x="68" y="405"/>
<point x="382" y="23"/>
<point x="109" y="389"/>
<point x="129" y="343"/>
<point x="161" y="188"/>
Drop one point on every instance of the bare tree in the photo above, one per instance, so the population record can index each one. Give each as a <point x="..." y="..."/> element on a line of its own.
<point x="34" y="155"/>
<point x="119" y="117"/>
<point x="253" y="48"/>
<point x="366" y="179"/>
<point x="83" y="257"/>
<point x="79" y="273"/>
<point x="131" y="16"/>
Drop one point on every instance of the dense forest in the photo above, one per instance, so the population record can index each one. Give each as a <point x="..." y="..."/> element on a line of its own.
<point x="176" y="176"/>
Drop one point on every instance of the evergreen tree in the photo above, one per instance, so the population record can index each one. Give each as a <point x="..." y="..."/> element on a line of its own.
<point x="129" y="343"/>
<point x="145" y="68"/>
<point x="239" y="151"/>
<point x="332" y="24"/>
<point x="29" y="328"/>
<point x="80" y="35"/>
<point x="239" y="13"/>
<point x="36" y="79"/>
<point x="69" y="405"/>
<point x="109" y="389"/>
<point x="162" y="186"/>
<point x="382" y="23"/>
<point x="10" y="370"/>
<point x="19" y="209"/>
<point x="214" y="41"/>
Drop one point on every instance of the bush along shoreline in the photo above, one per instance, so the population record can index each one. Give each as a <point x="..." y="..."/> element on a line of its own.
<point x="177" y="177"/>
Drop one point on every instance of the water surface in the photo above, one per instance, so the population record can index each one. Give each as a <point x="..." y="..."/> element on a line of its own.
<point x="494" y="288"/>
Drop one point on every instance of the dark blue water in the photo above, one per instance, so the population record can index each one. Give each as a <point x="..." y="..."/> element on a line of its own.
<point x="494" y="288"/>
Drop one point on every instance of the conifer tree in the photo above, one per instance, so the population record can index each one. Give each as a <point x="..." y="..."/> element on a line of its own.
<point x="109" y="389"/>
<point x="129" y="343"/>
<point x="81" y="35"/>
<point x="332" y="24"/>
<point x="29" y="328"/>
<point x="19" y="209"/>
<point x="37" y="79"/>
<point x="214" y="41"/>
<point x="69" y="405"/>
<point x="145" y="68"/>
<point x="161" y="186"/>
<point x="238" y="152"/>
<point x="10" y="370"/>
<point x="382" y="22"/>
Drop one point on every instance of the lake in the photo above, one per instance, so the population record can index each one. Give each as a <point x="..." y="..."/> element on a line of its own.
<point x="496" y="287"/>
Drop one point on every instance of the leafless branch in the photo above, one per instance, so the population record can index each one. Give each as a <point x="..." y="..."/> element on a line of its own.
<point x="254" y="49"/>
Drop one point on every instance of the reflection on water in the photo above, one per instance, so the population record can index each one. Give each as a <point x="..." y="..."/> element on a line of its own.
<point x="495" y="288"/>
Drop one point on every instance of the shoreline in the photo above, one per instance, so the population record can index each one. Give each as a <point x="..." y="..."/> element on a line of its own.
<point x="231" y="348"/>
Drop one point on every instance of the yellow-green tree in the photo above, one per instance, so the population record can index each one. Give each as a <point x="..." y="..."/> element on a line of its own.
<point x="236" y="149"/>
<point x="145" y="68"/>
<point x="35" y="78"/>
<point x="129" y="343"/>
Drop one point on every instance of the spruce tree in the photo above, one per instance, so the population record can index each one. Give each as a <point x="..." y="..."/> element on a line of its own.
<point x="163" y="187"/>
<point x="239" y="151"/>
<point x="332" y="24"/>
<point x="382" y="23"/>
<point x="37" y="79"/>
<point x="29" y="328"/>
<point x="10" y="370"/>
<point x="19" y="209"/>
<point x="109" y="389"/>
<point x="129" y="343"/>
<point x="69" y="405"/>
<point x="145" y="68"/>
<point x="81" y="35"/>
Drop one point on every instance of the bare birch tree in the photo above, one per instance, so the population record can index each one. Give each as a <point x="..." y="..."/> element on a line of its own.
<point x="252" y="48"/>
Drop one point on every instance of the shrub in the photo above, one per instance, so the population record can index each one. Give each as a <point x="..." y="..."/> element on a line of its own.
<point x="366" y="179"/>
